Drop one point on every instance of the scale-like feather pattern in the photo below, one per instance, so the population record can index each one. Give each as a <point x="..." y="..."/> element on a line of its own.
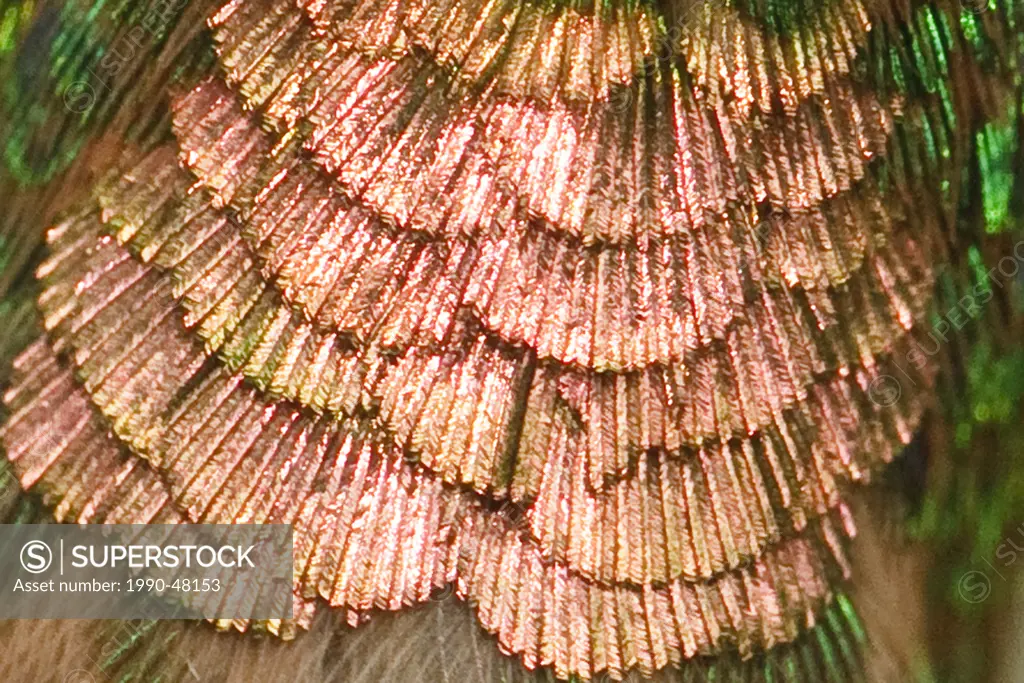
<point x="585" y="309"/>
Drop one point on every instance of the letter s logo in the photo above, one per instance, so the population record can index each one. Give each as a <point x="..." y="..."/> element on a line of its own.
<point x="36" y="557"/>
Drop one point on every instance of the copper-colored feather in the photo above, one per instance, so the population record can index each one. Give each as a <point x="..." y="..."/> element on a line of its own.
<point x="583" y="309"/>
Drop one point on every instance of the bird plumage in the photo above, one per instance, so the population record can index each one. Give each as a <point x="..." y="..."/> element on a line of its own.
<point x="597" y="316"/>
